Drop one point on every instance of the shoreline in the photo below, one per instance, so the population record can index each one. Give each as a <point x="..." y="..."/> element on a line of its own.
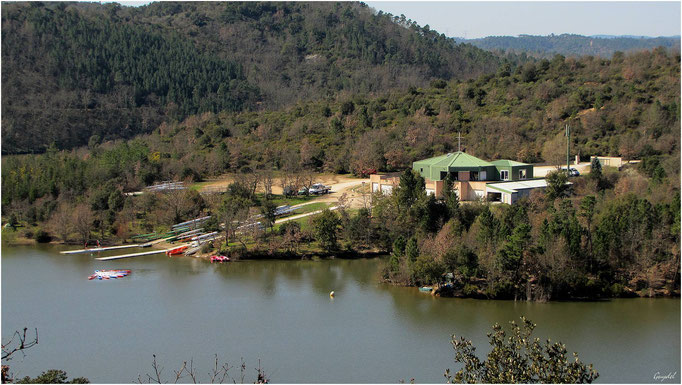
<point x="628" y="292"/>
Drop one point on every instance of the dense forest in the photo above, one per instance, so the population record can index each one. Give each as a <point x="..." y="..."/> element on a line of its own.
<point x="68" y="76"/>
<point x="72" y="71"/>
<point x="572" y="45"/>
<point x="626" y="106"/>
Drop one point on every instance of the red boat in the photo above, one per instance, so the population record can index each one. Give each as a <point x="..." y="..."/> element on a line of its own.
<point x="177" y="250"/>
<point x="219" y="258"/>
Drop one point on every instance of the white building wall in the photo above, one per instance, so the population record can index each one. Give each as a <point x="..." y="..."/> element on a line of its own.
<point x="386" y="189"/>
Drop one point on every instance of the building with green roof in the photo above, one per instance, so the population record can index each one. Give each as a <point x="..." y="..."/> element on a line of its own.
<point x="512" y="170"/>
<point x="455" y="164"/>
<point x="469" y="173"/>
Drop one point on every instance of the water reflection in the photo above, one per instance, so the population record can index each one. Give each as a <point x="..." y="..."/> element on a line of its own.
<point x="280" y="311"/>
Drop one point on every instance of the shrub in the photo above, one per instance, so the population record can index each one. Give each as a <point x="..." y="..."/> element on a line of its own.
<point x="427" y="271"/>
<point x="438" y="83"/>
<point x="42" y="236"/>
<point x="207" y="247"/>
<point x="516" y="357"/>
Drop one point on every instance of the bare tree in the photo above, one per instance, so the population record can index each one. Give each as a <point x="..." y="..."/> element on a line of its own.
<point x="249" y="179"/>
<point x="285" y="182"/>
<point x="179" y="204"/>
<point x="291" y="181"/>
<point x="235" y="212"/>
<point x="298" y="181"/>
<point x="17" y="343"/>
<point x="61" y="222"/>
<point x="219" y="373"/>
<point x="267" y="180"/>
<point x="174" y="205"/>
<point x="82" y="218"/>
<point x="307" y="178"/>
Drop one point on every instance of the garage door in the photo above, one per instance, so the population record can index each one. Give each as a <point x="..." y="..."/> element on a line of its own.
<point x="375" y="187"/>
<point x="430" y="191"/>
<point x="480" y="194"/>
<point x="386" y="189"/>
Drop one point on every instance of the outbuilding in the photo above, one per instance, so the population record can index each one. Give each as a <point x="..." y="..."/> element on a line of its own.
<point x="510" y="192"/>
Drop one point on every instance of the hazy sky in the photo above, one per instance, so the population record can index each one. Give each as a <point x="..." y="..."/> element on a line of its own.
<point x="480" y="19"/>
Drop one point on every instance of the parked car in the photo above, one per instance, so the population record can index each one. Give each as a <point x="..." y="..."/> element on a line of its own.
<point x="303" y="191"/>
<point x="571" y="171"/>
<point x="319" y="188"/>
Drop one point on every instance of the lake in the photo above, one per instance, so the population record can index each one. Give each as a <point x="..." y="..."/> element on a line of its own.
<point x="280" y="312"/>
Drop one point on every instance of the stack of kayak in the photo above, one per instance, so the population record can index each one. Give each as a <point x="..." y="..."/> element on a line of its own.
<point x="109" y="274"/>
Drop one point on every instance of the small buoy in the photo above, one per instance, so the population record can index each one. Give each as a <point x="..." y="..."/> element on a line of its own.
<point x="331" y="294"/>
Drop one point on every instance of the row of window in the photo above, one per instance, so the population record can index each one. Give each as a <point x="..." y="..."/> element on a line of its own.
<point x="476" y="176"/>
<point x="504" y="174"/>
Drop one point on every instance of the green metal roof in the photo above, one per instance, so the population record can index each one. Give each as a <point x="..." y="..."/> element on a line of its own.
<point x="454" y="159"/>
<point x="508" y="163"/>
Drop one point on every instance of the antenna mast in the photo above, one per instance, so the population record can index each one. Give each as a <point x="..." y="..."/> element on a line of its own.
<point x="568" y="149"/>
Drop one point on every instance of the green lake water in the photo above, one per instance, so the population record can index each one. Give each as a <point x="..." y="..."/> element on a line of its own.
<point x="280" y="312"/>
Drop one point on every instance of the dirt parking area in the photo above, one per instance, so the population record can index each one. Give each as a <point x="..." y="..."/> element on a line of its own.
<point x="340" y="184"/>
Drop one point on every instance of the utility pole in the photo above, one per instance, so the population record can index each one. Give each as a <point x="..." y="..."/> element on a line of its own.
<point x="568" y="149"/>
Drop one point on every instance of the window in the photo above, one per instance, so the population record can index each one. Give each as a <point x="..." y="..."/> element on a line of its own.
<point x="522" y="174"/>
<point x="504" y="174"/>
<point x="483" y="175"/>
<point x="474" y="175"/>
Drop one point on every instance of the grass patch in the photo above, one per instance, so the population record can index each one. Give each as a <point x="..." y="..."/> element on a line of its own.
<point x="280" y="200"/>
<point x="198" y="185"/>
<point x="303" y="222"/>
<point x="311" y="207"/>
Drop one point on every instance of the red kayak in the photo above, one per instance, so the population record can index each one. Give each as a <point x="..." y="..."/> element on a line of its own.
<point x="177" y="250"/>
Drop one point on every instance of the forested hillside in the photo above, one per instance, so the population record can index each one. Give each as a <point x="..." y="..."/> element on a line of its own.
<point x="76" y="72"/>
<point x="626" y="106"/>
<point x="571" y="45"/>
<point x="314" y="50"/>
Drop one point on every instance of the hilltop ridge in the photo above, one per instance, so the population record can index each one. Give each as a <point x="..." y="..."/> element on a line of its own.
<point x="571" y="44"/>
<point x="76" y="72"/>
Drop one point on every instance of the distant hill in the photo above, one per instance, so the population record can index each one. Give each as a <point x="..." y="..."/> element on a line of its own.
<point x="572" y="45"/>
<point x="75" y="73"/>
<point x="634" y="37"/>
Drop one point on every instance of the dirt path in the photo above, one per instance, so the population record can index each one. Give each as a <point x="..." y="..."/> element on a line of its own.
<point x="326" y="179"/>
<point x="340" y="184"/>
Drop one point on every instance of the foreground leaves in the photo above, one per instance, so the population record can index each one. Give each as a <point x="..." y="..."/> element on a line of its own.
<point x="518" y="358"/>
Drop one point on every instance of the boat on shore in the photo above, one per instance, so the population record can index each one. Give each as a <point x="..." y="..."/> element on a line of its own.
<point x="176" y="251"/>
<point x="219" y="258"/>
<point x="425" y="288"/>
<point x="108" y="274"/>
